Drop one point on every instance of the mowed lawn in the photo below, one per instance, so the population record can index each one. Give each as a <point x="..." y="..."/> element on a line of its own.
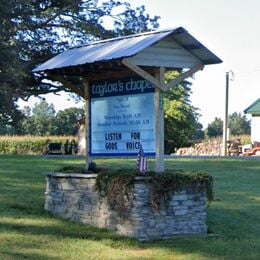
<point x="28" y="232"/>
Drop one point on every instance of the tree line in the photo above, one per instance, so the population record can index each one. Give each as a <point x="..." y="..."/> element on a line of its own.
<point x="182" y="127"/>
<point x="238" y="124"/>
<point x="43" y="120"/>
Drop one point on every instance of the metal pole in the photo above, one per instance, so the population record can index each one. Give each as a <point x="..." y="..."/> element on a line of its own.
<point x="225" y="124"/>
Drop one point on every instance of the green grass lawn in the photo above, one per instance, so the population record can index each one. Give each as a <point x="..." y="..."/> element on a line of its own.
<point x="28" y="232"/>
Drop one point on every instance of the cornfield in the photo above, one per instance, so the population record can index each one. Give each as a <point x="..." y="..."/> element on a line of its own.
<point x="34" y="145"/>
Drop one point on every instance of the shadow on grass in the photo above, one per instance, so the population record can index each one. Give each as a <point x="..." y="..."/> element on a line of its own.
<point x="20" y="255"/>
<point x="232" y="236"/>
<point x="58" y="227"/>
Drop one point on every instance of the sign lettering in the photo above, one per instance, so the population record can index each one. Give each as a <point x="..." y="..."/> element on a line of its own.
<point x="122" y="117"/>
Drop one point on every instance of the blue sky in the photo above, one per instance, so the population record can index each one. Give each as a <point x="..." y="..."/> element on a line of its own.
<point x="230" y="30"/>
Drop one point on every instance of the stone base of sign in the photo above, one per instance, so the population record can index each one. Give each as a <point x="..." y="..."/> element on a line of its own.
<point x="73" y="196"/>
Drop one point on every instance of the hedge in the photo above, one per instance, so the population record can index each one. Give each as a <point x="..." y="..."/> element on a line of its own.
<point x="31" y="145"/>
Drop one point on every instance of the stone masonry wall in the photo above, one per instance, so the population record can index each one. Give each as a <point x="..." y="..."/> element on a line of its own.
<point x="73" y="196"/>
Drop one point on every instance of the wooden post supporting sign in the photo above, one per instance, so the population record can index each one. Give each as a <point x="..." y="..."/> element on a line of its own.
<point x="86" y="95"/>
<point x="159" y="125"/>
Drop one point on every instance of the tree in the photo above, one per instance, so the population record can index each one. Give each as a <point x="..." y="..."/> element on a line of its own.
<point x="66" y="121"/>
<point x="199" y="133"/>
<point x="215" y="128"/>
<point x="181" y="118"/>
<point x="41" y="122"/>
<point x="33" y="31"/>
<point x="239" y="124"/>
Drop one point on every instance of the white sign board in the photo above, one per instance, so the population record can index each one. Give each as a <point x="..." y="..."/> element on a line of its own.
<point x="122" y="117"/>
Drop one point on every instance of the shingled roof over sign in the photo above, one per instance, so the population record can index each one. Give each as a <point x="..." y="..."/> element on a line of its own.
<point x="172" y="48"/>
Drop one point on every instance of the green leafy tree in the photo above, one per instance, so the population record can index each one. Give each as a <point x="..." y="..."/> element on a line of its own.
<point x="215" y="128"/>
<point x="181" y="118"/>
<point x="10" y="116"/>
<point x="199" y="133"/>
<point x="66" y="121"/>
<point x="239" y="124"/>
<point x="41" y="122"/>
<point x="33" y="31"/>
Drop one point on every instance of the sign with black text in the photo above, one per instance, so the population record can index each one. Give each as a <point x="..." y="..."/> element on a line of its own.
<point x="122" y="117"/>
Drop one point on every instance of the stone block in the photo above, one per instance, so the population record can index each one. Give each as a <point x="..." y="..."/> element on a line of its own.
<point x="174" y="203"/>
<point x="161" y="226"/>
<point x="57" y="196"/>
<point x="187" y="203"/>
<point x="144" y="211"/>
<point x="151" y="223"/>
<point x="180" y="212"/>
<point x="179" y="197"/>
<point x="59" y="210"/>
<point x="154" y="233"/>
<point x="140" y="187"/>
